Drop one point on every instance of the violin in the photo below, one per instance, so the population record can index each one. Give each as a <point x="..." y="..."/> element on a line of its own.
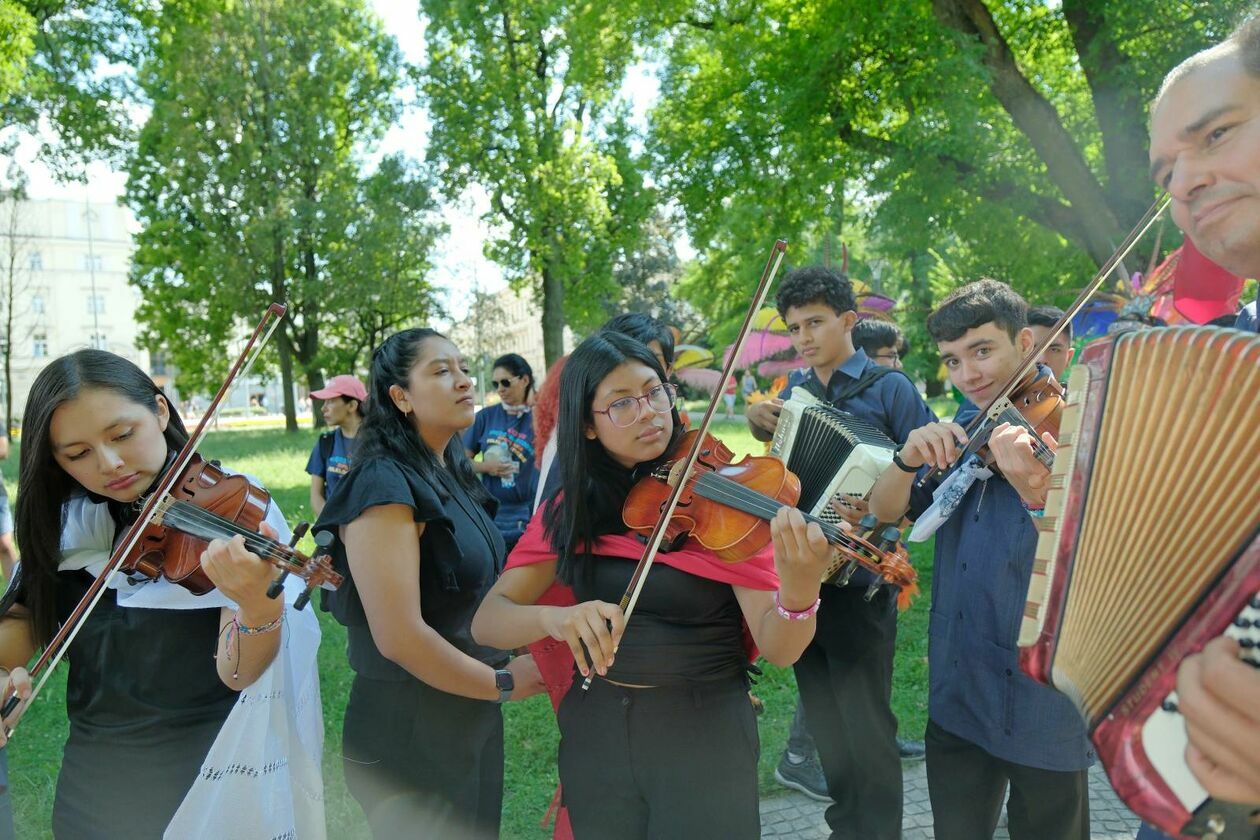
<point x="1036" y="403"/>
<point x="727" y="506"/>
<point x="206" y="504"/>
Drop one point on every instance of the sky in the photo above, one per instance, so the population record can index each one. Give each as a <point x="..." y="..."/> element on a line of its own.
<point x="460" y="264"/>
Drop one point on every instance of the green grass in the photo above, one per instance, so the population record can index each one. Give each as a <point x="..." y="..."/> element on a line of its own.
<point x="278" y="460"/>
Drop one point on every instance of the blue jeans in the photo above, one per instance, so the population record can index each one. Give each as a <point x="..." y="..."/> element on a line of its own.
<point x="1147" y="832"/>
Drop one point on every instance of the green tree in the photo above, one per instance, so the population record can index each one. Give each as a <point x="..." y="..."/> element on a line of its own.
<point x="67" y="65"/>
<point x="247" y="179"/>
<point x="1007" y="136"/>
<point x="523" y="99"/>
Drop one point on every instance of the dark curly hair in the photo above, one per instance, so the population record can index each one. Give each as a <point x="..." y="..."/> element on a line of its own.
<point x="975" y="304"/>
<point x="815" y="284"/>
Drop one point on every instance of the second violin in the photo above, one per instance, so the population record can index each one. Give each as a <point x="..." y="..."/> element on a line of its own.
<point x="727" y="507"/>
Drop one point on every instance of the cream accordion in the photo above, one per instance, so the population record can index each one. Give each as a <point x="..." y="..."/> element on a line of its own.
<point x="1149" y="548"/>
<point x="831" y="451"/>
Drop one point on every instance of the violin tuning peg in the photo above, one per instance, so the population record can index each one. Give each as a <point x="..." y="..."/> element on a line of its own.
<point x="888" y="538"/>
<point x="302" y="600"/>
<point x="299" y="532"/>
<point x="323" y="541"/>
<point x="873" y="589"/>
<point x="847" y="573"/>
<point x="276" y="587"/>
<point x="868" y="522"/>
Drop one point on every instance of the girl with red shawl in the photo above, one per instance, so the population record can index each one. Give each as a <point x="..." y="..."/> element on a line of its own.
<point x="664" y="743"/>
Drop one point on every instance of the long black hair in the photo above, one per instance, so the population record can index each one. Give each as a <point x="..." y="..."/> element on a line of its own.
<point x="388" y="433"/>
<point x="44" y="487"/>
<point x="594" y="485"/>
<point x="515" y="364"/>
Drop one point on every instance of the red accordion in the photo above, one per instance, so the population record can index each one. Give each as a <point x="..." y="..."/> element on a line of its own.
<point x="1150" y="548"/>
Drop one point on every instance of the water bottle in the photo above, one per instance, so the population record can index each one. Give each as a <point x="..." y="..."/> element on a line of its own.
<point x="499" y="452"/>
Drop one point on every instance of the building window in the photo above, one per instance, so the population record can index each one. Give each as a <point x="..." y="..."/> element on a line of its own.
<point x="92" y="262"/>
<point x="39" y="345"/>
<point x="158" y="363"/>
<point x="36" y="261"/>
<point x="96" y="304"/>
<point x="98" y="341"/>
<point x="37" y="305"/>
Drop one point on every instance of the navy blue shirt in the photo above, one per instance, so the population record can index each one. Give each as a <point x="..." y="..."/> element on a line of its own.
<point x="892" y="403"/>
<point x="1247" y="319"/>
<point x="984" y="558"/>
<point x="493" y="425"/>
<point x="338" y="463"/>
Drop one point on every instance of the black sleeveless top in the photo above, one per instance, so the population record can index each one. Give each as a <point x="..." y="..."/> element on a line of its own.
<point x="461" y="556"/>
<point x="684" y="628"/>
<point x="145" y="703"/>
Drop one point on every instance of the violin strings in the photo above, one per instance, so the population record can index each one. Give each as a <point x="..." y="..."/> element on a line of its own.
<point x="183" y="513"/>
<point x="725" y="490"/>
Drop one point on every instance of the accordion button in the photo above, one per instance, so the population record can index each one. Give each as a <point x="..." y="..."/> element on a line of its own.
<point x="1246" y="643"/>
<point x="1168" y="706"/>
<point x="1242" y="622"/>
<point x="1254" y="603"/>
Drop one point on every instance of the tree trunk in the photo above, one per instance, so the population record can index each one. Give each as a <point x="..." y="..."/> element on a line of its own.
<point x="315" y="381"/>
<point x="921" y="304"/>
<point x="284" y="344"/>
<point x="1038" y="120"/>
<point x="552" y="315"/>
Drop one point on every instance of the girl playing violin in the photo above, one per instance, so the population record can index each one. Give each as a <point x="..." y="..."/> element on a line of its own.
<point x="423" y="736"/>
<point x="154" y="670"/>
<point x="664" y="743"/>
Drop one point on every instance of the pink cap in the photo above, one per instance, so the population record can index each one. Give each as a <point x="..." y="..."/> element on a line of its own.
<point x="343" y="385"/>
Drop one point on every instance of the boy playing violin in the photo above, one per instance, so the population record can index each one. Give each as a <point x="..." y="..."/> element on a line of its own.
<point x="989" y="725"/>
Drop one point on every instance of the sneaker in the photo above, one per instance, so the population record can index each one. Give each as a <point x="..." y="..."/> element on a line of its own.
<point x="911" y="750"/>
<point x="807" y="777"/>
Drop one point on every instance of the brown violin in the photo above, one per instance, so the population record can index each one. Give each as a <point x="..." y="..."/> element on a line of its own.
<point x="727" y="506"/>
<point x="1036" y="403"/>
<point x="206" y="504"/>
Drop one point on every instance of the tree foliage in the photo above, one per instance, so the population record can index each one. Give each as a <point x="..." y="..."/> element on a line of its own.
<point x="248" y="183"/>
<point x="1008" y="137"/>
<point x="523" y="97"/>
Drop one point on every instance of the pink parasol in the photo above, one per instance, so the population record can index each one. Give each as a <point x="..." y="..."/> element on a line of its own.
<point x="705" y="379"/>
<point x="760" y="345"/>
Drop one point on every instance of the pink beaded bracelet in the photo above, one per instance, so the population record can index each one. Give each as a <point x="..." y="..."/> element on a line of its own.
<point x="790" y="615"/>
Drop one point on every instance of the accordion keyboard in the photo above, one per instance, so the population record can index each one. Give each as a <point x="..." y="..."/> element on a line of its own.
<point x="1164" y="734"/>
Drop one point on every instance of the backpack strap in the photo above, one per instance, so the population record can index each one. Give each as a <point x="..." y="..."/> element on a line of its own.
<point x="326" y="442"/>
<point x="869" y="377"/>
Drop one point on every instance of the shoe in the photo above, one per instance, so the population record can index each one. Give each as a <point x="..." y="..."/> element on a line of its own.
<point x="807" y="777"/>
<point x="911" y="750"/>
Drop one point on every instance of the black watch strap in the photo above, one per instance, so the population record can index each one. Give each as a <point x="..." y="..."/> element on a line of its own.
<point x="901" y="465"/>
<point x="506" y="684"/>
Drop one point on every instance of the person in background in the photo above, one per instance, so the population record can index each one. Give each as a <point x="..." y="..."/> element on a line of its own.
<point x="728" y="396"/>
<point x="1057" y="357"/>
<point x="748" y="385"/>
<point x="503" y="435"/>
<point x="881" y="340"/>
<point x="546" y="408"/>
<point x="330" y="459"/>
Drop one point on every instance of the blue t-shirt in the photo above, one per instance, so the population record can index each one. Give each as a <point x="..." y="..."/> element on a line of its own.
<point x="494" y="425"/>
<point x="337" y="465"/>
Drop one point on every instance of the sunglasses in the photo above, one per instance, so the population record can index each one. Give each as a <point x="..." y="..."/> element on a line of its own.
<point x="503" y="383"/>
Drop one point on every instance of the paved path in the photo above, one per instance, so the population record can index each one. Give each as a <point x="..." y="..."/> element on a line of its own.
<point x="796" y="815"/>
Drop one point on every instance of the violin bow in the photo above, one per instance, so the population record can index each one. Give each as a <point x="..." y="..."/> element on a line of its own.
<point x="1001" y="401"/>
<point x="60" y="643"/>
<point x="639" y="578"/>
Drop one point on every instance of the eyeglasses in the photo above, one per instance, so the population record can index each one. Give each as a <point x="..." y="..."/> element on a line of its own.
<point x="503" y="383"/>
<point x="627" y="410"/>
<point x="891" y="358"/>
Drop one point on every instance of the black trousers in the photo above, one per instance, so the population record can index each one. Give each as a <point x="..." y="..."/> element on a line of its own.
<point x="660" y="762"/>
<point x="845" y="682"/>
<point x="422" y="762"/>
<point x="967" y="784"/>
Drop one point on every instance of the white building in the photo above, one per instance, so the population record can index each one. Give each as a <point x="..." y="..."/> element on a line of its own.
<point x="64" y="264"/>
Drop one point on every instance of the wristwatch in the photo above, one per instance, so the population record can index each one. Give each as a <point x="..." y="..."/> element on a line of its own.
<point x="504" y="681"/>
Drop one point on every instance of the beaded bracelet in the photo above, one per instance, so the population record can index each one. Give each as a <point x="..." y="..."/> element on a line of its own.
<point x="1036" y="512"/>
<point x="235" y="628"/>
<point x="793" y="615"/>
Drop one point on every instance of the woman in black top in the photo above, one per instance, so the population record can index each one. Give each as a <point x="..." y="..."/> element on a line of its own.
<point x="664" y="743"/>
<point x="423" y="736"/>
<point x="148" y="689"/>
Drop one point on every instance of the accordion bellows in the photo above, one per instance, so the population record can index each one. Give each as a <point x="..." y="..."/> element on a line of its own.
<point x="1148" y="547"/>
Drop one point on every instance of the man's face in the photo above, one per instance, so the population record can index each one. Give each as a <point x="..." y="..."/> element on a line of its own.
<point x="819" y="333"/>
<point x="1058" y="355"/>
<point x="982" y="359"/>
<point x="1205" y="150"/>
